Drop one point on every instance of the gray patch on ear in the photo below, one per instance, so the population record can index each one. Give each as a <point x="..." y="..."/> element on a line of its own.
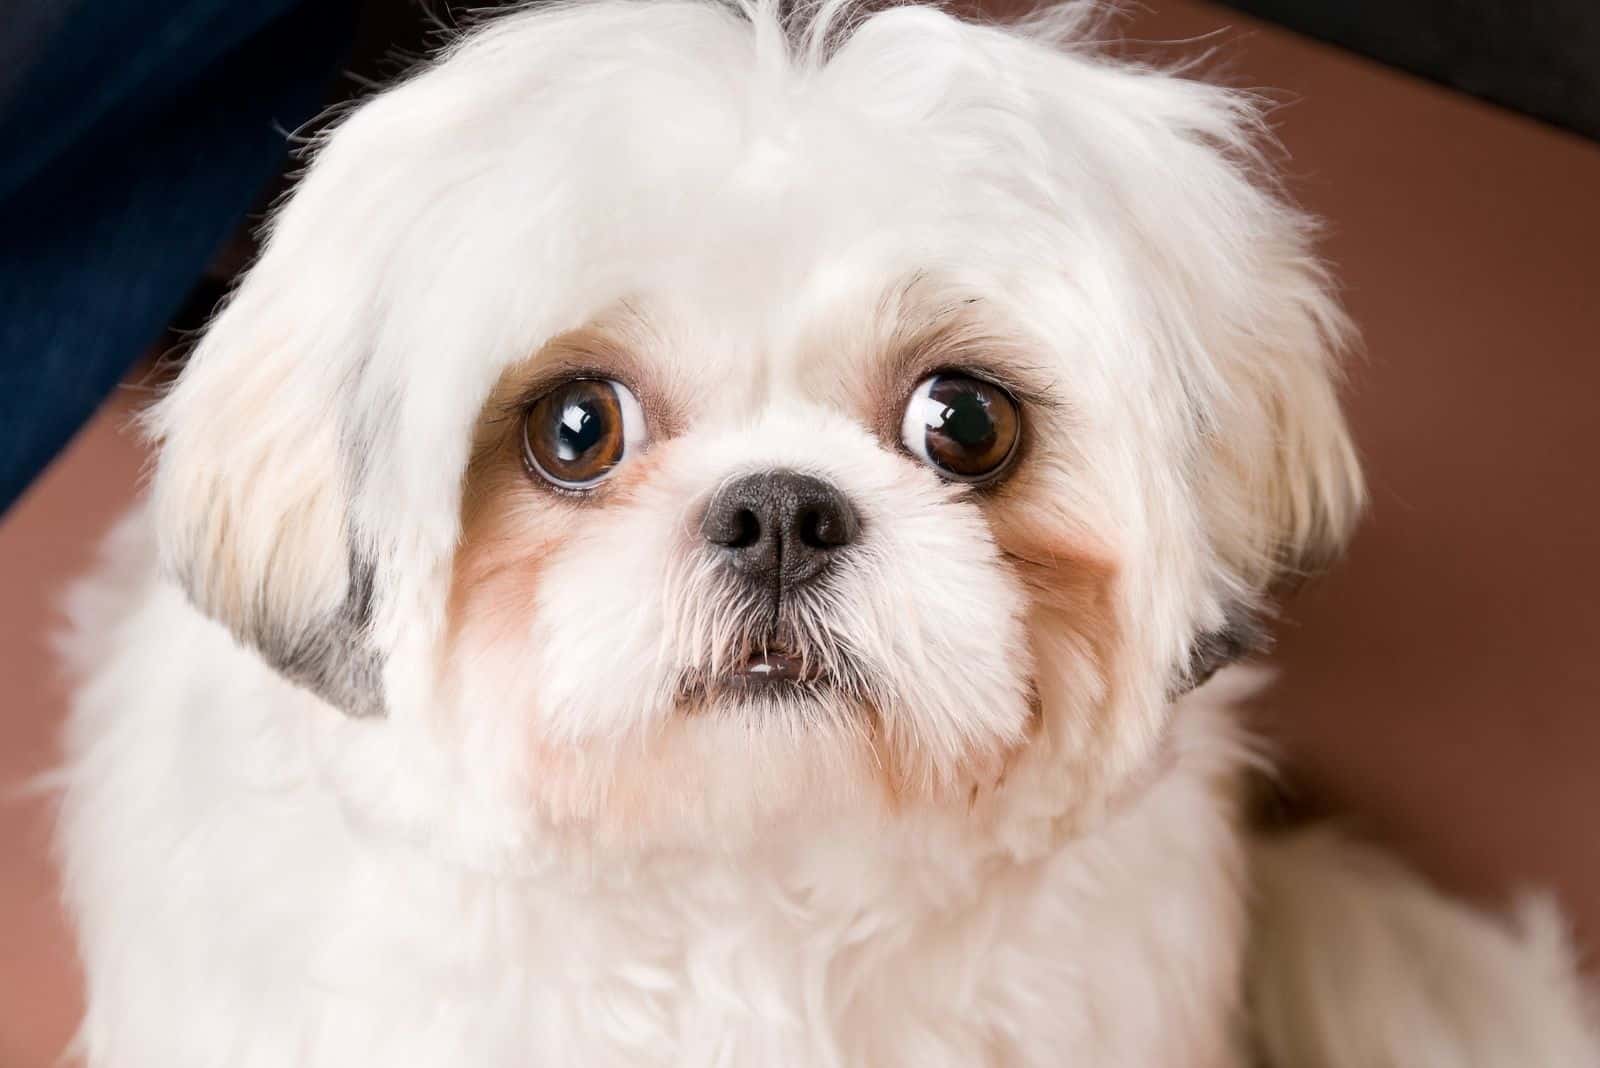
<point x="334" y="659"/>
<point x="1240" y="635"/>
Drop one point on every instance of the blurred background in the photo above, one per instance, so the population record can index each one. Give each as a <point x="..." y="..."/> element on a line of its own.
<point x="1439" y="691"/>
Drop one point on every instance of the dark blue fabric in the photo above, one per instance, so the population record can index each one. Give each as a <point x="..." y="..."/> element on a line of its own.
<point x="136" y="138"/>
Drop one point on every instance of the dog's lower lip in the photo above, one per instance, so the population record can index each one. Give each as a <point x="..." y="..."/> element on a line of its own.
<point x="771" y="666"/>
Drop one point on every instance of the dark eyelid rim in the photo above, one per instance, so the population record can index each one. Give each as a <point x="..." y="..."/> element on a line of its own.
<point x="1025" y="394"/>
<point x="590" y="353"/>
<point x="1020" y="394"/>
<point x="547" y="382"/>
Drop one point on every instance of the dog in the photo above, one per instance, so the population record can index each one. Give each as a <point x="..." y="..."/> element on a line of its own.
<point x="702" y="540"/>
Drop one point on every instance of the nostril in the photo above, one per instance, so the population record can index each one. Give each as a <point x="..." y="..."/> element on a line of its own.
<point x="731" y="527"/>
<point x="811" y="529"/>
<point x="824" y="526"/>
<point x="746" y="530"/>
<point x="814" y="529"/>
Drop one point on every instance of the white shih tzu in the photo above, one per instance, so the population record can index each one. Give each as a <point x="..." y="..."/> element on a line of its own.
<point x="692" y="546"/>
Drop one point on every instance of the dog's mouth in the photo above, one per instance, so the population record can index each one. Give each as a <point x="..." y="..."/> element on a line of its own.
<point x="773" y="669"/>
<point x="774" y="666"/>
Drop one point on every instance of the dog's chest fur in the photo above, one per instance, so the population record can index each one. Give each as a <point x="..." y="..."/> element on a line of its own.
<point x="233" y="912"/>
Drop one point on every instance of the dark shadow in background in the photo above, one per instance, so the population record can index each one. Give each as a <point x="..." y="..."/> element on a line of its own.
<point x="1540" y="57"/>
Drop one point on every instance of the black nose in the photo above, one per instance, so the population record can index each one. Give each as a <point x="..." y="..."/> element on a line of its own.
<point x="780" y="529"/>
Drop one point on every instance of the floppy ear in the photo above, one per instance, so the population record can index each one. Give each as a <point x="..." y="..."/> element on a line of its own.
<point x="250" y="499"/>
<point x="1243" y="315"/>
<point x="260" y="447"/>
<point x="1288" y="485"/>
<point x="1280" y="487"/>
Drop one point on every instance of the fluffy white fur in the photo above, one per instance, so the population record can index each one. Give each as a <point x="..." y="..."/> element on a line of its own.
<point x="357" y="775"/>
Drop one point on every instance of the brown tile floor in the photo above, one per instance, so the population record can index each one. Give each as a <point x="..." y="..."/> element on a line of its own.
<point x="48" y="537"/>
<point x="1442" y="688"/>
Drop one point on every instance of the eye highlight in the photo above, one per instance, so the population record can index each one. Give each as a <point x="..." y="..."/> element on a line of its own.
<point x="575" y="435"/>
<point x="964" y="427"/>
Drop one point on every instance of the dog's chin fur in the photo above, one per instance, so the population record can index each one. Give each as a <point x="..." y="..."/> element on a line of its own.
<point x="385" y="751"/>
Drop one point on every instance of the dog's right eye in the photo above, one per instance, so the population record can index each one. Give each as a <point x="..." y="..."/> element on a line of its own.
<point x="964" y="427"/>
<point x="575" y="435"/>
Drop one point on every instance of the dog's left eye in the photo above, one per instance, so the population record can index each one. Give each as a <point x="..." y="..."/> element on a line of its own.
<point x="575" y="435"/>
<point x="965" y="427"/>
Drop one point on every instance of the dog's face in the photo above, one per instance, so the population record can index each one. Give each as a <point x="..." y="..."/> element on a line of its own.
<point x="728" y="553"/>
<point x="651" y="429"/>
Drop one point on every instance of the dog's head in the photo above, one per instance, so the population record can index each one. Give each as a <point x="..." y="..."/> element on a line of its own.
<point x="657" y="422"/>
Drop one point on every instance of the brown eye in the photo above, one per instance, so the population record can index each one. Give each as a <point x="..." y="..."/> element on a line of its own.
<point x="575" y="435"/>
<point x="962" y="426"/>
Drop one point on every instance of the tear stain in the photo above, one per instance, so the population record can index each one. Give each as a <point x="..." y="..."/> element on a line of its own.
<point x="507" y="538"/>
<point x="1077" y="633"/>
